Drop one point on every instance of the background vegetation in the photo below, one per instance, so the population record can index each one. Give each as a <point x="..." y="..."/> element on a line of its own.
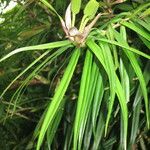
<point x="113" y="67"/>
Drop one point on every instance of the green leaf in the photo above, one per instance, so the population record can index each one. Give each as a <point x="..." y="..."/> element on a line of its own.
<point x="124" y="47"/>
<point x="143" y="23"/>
<point x="88" y="102"/>
<point x="37" y="47"/>
<point x="91" y="9"/>
<point x="99" y="131"/>
<point x="139" y="9"/>
<point x="113" y="79"/>
<point x="145" y="13"/>
<point x="137" y="106"/>
<point x="147" y="43"/>
<point x="75" y="6"/>
<point x="97" y="100"/>
<point x="83" y="95"/>
<point x="108" y="60"/>
<point x="51" y="131"/>
<point x="137" y="29"/>
<point x="113" y="47"/>
<point x="24" y="71"/>
<point x="36" y="71"/>
<point x="20" y="90"/>
<point x="53" y="108"/>
<point x="114" y="82"/>
<point x="50" y="7"/>
<point x="124" y="80"/>
<point x="136" y="68"/>
<point x="124" y="111"/>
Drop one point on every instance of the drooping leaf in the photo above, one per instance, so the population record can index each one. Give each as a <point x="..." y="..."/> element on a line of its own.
<point x="83" y="95"/>
<point x="137" y="105"/>
<point x="45" y="2"/>
<point x="137" y="29"/>
<point x="124" y="47"/>
<point x="136" y="68"/>
<point x="26" y="81"/>
<point x="58" y="97"/>
<point x="36" y="47"/>
<point x="118" y="88"/>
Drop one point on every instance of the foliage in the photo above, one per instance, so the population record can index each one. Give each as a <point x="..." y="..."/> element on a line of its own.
<point x="87" y="92"/>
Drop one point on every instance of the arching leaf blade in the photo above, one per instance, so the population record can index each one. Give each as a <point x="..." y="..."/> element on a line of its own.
<point x="61" y="89"/>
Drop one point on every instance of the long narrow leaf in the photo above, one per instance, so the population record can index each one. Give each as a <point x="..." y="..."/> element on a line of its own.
<point x="118" y="88"/>
<point x="24" y="71"/>
<point x="54" y="106"/>
<point x="50" y="7"/>
<point x="137" y="29"/>
<point x="124" y="47"/>
<point x="82" y="98"/>
<point x="37" y="47"/>
<point x="136" y="68"/>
